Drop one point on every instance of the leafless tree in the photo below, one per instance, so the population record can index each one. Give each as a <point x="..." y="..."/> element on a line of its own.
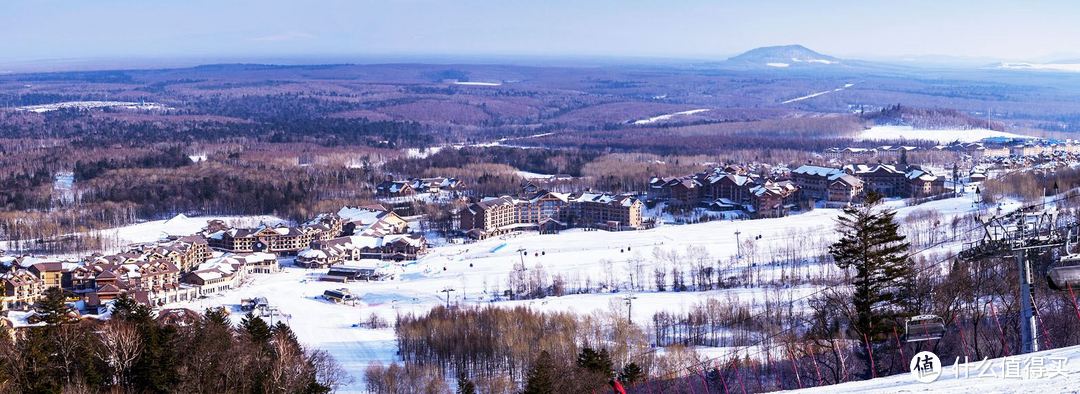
<point x="120" y="345"/>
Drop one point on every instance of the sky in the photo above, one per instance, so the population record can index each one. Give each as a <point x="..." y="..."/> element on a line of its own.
<point x="40" y="31"/>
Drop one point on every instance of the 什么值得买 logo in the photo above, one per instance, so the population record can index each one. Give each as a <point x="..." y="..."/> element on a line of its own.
<point x="925" y="367"/>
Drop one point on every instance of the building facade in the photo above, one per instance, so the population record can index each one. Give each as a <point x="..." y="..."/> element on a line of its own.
<point x="549" y="211"/>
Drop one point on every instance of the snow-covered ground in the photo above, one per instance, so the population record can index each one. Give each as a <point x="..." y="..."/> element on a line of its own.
<point x="816" y="61"/>
<point x="478" y="272"/>
<point x="533" y="175"/>
<point x="91" y="104"/>
<point x="473" y="83"/>
<point x="973" y="378"/>
<point x="156" y="230"/>
<point x="943" y="136"/>
<point x="812" y="95"/>
<point x="180" y="225"/>
<point x="660" y="118"/>
<point x="420" y="153"/>
<point x="1062" y="67"/>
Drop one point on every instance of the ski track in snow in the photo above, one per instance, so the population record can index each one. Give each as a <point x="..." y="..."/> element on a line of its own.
<point x="659" y="118"/>
<point x="812" y="95"/>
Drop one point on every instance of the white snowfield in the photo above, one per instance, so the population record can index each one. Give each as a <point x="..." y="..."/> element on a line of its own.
<point x="471" y="83"/>
<point x="92" y="104"/>
<point x="817" y="61"/>
<point x="943" y="136"/>
<point x="157" y="230"/>
<point x="812" y="95"/>
<point x="660" y="118"/>
<point x="972" y="378"/>
<point x="180" y="225"/>
<point x="1062" y="67"/>
<point x="533" y="175"/>
<point x="801" y="60"/>
<point x="478" y="271"/>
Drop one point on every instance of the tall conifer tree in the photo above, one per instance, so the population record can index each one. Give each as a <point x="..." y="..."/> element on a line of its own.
<point x="871" y="245"/>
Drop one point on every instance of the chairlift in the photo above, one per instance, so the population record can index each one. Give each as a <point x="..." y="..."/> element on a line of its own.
<point x="924" y="328"/>
<point x="1065" y="273"/>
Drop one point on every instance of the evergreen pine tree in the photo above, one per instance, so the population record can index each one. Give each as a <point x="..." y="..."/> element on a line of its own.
<point x="52" y="308"/>
<point x="870" y="243"/>
<point x="217" y="317"/>
<point x="256" y="328"/>
<point x="39" y="372"/>
<point x="284" y="329"/>
<point x="631" y="373"/>
<point x="127" y="309"/>
<point x="595" y="362"/>
<point x="543" y="376"/>
<point x="464" y="385"/>
<point x="155" y="369"/>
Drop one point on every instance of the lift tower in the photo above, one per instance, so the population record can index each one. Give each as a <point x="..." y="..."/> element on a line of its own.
<point x="1025" y="233"/>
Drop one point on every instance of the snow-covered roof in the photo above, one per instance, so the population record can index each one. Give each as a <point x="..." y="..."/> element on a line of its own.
<point x="312" y="254"/>
<point x="259" y="256"/>
<point x="357" y="214"/>
<point x="848" y="179"/>
<point x="816" y="171"/>
<point x="364" y="241"/>
<point x="209" y="274"/>
<point x="28" y="261"/>
<point x="406" y="238"/>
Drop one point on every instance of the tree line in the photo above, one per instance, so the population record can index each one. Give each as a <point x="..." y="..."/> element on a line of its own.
<point x="134" y="352"/>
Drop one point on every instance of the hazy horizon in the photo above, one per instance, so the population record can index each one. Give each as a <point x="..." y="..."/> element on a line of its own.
<point x="65" y="34"/>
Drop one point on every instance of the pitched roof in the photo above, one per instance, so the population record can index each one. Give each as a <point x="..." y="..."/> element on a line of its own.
<point x="816" y="171"/>
<point x="847" y="179"/>
<point x="48" y="267"/>
<point x="108" y="289"/>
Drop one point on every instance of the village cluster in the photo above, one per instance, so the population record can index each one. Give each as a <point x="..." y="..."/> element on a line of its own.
<point x="734" y="188"/>
<point x="852" y="174"/>
<point x="988" y="149"/>
<point x="534" y="208"/>
<point x="216" y="259"/>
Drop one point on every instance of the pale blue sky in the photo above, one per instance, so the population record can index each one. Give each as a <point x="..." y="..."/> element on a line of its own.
<point x="224" y="29"/>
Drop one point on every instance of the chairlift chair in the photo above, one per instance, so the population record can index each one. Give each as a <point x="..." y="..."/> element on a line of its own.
<point x="924" y="328"/>
<point x="1065" y="273"/>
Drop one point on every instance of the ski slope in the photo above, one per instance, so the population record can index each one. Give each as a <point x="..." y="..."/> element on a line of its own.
<point x="157" y="230"/>
<point x="966" y="378"/>
<point x="665" y="117"/>
<point x="181" y="225"/>
<point x="812" y="95"/>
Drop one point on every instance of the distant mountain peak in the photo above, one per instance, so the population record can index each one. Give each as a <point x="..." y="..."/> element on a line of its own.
<point x="783" y="56"/>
